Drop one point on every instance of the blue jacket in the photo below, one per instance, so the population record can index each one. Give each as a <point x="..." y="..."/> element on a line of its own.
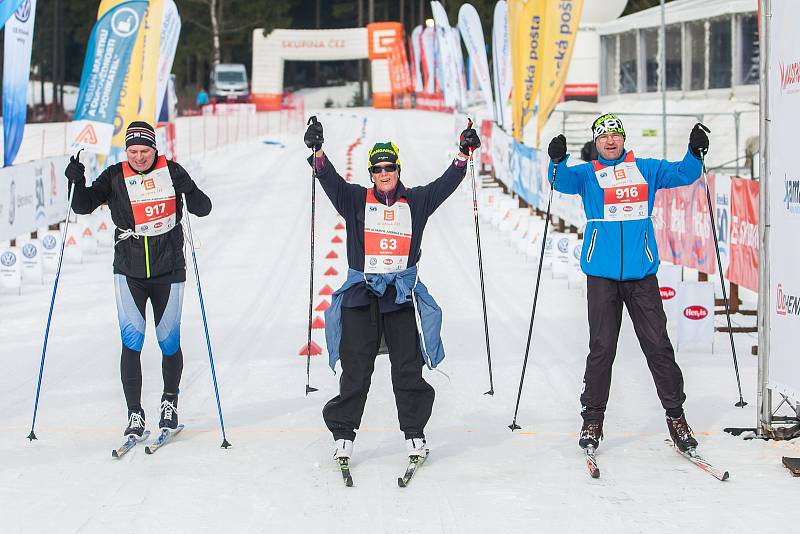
<point x="429" y="314"/>
<point x="621" y="250"/>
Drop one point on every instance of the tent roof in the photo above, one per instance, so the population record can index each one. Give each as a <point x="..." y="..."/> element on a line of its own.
<point x="678" y="11"/>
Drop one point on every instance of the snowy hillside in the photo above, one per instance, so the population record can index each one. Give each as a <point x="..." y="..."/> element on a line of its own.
<point x="279" y="476"/>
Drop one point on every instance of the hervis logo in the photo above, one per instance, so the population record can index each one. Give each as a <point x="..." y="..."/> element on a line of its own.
<point x="695" y="313"/>
<point x="87" y="136"/>
<point x="667" y="293"/>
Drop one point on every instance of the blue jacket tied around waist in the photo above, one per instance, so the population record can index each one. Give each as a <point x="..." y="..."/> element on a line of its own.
<point x="621" y="250"/>
<point x="409" y="288"/>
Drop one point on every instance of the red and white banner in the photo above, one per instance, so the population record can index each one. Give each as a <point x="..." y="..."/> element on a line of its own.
<point x="686" y="239"/>
<point x="683" y="228"/>
<point x="744" y="238"/>
<point x="486" y="142"/>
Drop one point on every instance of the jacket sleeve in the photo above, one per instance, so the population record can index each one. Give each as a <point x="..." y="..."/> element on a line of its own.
<point x="670" y="174"/>
<point x="438" y="190"/>
<point x="86" y="199"/>
<point x="197" y="202"/>
<point x="568" y="179"/>
<point x="340" y="192"/>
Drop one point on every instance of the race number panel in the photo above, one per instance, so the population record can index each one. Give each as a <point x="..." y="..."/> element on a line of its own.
<point x="625" y="191"/>
<point x="387" y="235"/>
<point x="152" y="198"/>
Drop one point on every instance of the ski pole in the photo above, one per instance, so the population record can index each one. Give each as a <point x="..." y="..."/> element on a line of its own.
<point x="741" y="403"/>
<point x="309" y="389"/>
<point x="514" y="426"/>
<point x="225" y="443"/>
<point x="480" y="262"/>
<point x="71" y="188"/>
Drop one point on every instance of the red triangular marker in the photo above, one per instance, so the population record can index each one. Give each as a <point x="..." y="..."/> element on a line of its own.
<point x="322" y="306"/>
<point x="336" y="239"/>
<point x="327" y="290"/>
<point x="318" y="323"/>
<point x="315" y="350"/>
<point x="339" y="226"/>
<point x="331" y="255"/>
<point x="331" y="272"/>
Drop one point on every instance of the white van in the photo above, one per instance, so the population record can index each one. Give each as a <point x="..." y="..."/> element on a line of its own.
<point x="229" y="82"/>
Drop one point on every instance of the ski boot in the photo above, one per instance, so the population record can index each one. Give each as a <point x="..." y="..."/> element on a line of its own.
<point x="344" y="449"/>
<point x="169" y="412"/>
<point x="681" y="433"/>
<point x="591" y="434"/>
<point x="135" y="423"/>
<point x="417" y="447"/>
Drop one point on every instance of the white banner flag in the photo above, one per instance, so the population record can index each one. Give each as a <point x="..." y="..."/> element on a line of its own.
<point x="450" y="84"/>
<point x="469" y="24"/>
<point x="783" y="197"/>
<point x="696" y="319"/>
<point x="170" y="31"/>
<point x="501" y="50"/>
<point x="416" y="46"/>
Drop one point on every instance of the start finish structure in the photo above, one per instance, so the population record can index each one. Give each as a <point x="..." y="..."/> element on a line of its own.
<point x="270" y="52"/>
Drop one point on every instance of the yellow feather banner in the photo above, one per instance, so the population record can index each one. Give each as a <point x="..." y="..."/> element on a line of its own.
<point x="525" y="19"/>
<point x="560" y="30"/>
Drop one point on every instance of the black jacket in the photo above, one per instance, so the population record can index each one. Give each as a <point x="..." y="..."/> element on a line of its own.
<point x="167" y="263"/>
<point x="350" y="201"/>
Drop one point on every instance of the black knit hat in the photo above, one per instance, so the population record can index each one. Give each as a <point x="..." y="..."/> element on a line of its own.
<point x="140" y="133"/>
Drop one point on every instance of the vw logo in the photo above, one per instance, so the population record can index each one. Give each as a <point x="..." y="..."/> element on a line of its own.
<point x="23" y="13"/>
<point x="8" y="259"/>
<point x="49" y="242"/>
<point x="29" y="251"/>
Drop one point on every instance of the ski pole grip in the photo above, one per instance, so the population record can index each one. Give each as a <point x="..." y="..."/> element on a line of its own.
<point x="312" y="120"/>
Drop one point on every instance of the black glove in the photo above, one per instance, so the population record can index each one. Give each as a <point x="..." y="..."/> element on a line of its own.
<point x="557" y="148"/>
<point x="313" y="137"/>
<point x="698" y="140"/>
<point x="75" y="171"/>
<point x="468" y="139"/>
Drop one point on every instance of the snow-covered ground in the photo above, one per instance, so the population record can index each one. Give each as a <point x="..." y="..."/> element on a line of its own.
<point x="279" y="476"/>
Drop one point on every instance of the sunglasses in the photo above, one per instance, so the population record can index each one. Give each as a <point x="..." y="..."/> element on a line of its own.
<point x="377" y="169"/>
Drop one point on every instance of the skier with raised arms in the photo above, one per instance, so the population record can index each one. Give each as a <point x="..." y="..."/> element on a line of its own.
<point x="385" y="224"/>
<point x="620" y="259"/>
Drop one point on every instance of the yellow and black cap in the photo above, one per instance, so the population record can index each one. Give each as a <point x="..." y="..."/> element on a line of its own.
<point x="382" y="152"/>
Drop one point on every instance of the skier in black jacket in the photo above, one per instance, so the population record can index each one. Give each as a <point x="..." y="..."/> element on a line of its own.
<point x="384" y="235"/>
<point x="145" y="196"/>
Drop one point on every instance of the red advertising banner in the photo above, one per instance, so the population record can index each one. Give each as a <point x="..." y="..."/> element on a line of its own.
<point x="686" y="238"/>
<point x="486" y="142"/>
<point x="744" y="237"/>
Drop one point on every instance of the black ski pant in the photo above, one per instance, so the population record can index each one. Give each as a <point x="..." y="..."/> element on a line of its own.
<point x="166" y="300"/>
<point x="361" y="334"/>
<point x="643" y="300"/>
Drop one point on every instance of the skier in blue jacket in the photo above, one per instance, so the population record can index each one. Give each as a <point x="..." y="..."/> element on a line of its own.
<point x="620" y="259"/>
